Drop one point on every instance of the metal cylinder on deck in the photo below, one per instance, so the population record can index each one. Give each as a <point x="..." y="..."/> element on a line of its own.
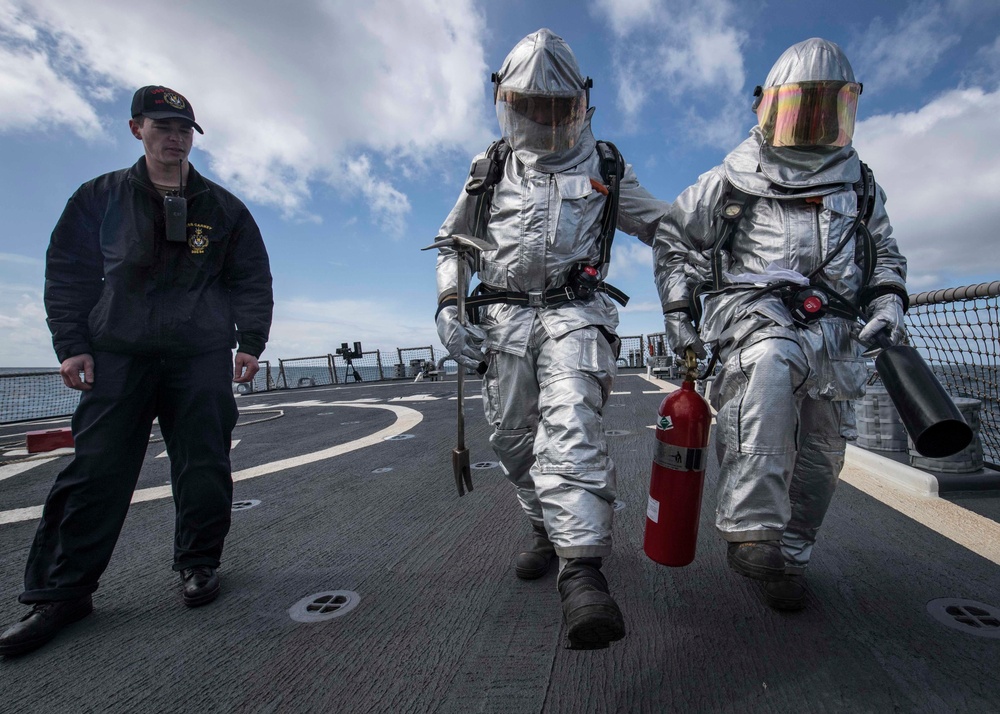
<point x="879" y="425"/>
<point x="969" y="459"/>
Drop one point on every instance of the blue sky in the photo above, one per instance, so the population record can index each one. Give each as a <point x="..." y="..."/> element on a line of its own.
<point x="348" y="129"/>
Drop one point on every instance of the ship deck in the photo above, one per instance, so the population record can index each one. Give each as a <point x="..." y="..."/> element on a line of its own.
<point x="339" y="503"/>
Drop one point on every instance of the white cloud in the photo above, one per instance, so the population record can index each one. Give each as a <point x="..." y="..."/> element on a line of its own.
<point x="940" y="167"/>
<point x="905" y="53"/>
<point x="692" y="50"/>
<point x="286" y="98"/>
<point x="26" y="341"/>
<point x="630" y="258"/>
<point x="33" y="96"/>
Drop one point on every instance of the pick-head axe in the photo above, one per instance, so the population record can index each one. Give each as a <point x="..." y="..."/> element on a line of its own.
<point x="462" y="245"/>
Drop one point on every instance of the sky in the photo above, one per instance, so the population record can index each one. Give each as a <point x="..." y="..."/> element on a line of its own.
<point x="348" y="130"/>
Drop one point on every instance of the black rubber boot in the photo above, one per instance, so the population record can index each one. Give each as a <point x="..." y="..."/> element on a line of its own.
<point x="787" y="594"/>
<point x="592" y="617"/>
<point x="760" y="560"/>
<point x="534" y="563"/>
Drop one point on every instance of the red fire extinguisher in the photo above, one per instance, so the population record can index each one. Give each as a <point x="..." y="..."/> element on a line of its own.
<point x="675" y="485"/>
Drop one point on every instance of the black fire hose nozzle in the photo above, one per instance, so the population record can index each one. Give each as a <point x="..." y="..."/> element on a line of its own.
<point x="930" y="417"/>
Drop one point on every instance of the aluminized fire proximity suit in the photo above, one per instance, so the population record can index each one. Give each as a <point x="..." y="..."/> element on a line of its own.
<point x="784" y="391"/>
<point x="550" y="368"/>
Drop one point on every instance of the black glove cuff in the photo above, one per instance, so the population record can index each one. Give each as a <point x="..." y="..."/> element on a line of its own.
<point x="678" y="306"/>
<point x="447" y="302"/>
<point x="876" y="291"/>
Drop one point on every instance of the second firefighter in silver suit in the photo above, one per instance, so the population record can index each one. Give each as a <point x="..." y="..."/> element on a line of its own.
<point x="549" y="364"/>
<point x="785" y="387"/>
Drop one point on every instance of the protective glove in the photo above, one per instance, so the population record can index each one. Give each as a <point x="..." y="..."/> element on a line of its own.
<point x="681" y="334"/>
<point x="885" y="311"/>
<point x="698" y="266"/>
<point x="463" y="342"/>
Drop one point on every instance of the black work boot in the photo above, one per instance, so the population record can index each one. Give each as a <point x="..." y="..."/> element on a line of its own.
<point x="760" y="560"/>
<point x="787" y="594"/>
<point x="201" y="585"/>
<point x="592" y="617"/>
<point x="534" y="563"/>
<point x="43" y="623"/>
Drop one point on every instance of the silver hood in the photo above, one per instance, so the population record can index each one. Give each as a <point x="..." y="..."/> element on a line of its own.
<point x="542" y="63"/>
<point x="793" y="170"/>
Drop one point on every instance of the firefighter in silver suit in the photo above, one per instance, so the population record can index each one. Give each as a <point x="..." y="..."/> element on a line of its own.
<point x="546" y="339"/>
<point x="809" y="243"/>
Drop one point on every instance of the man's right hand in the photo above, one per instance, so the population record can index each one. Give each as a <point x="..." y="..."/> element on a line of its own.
<point x="71" y="369"/>
<point x="680" y="334"/>
<point x="463" y="342"/>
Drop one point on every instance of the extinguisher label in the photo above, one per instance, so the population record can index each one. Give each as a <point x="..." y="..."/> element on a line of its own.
<point x="653" y="510"/>
<point x="664" y="423"/>
<point x="678" y="458"/>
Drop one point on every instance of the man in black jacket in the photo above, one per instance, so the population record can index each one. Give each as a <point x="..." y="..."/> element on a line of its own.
<point x="153" y="274"/>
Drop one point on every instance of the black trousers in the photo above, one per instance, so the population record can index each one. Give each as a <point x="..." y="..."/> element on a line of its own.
<point x="193" y="399"/>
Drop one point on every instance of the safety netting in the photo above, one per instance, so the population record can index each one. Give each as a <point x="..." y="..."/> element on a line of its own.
<point x="34" y="394"/>
<point x="958" y="332"/>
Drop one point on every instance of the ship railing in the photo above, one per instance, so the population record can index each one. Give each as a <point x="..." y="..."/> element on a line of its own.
<point x="957" y="330"/>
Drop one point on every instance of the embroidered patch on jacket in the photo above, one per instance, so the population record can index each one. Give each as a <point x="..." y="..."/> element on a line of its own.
<point x="198" y="239"/>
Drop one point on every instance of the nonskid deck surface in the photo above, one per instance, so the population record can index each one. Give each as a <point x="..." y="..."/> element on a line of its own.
<point x="444" y="626"/>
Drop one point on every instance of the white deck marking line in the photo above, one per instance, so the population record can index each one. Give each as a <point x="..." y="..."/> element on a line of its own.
<point x="406" y="419"/>
<point x="232" y="446"/>
<point x="18" y="468"/>
<point x="969" y="530"/>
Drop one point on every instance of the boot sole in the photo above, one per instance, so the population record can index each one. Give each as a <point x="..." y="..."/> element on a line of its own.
<point x="785" y="605"/>
<point x="594" y="627"/>
<point x="532" y="573"/>
<point x="25" y="646"/>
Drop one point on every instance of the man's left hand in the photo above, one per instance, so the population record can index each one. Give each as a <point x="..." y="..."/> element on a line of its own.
<point x="884" y="313"/>
<point x="245" y="367"/>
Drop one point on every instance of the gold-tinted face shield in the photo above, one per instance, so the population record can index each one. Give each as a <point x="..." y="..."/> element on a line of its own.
<point x="808" y="113"/>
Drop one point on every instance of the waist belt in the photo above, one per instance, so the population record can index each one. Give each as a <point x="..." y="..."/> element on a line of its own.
<point x="484" y="295"/>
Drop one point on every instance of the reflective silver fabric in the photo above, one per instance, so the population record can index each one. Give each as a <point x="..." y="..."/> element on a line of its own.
<point x="778" y="466"/>
<point x="544" y="224"/>
<point x="783" y="392"/>
<point x="548" y="433"/>
<point x="550" y="369"/>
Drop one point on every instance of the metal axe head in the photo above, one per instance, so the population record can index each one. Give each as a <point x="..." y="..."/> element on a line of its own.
<point x="462" y="242"/>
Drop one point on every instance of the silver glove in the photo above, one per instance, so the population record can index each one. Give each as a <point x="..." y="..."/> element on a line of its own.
<point x="884" y="312"/>
<point x="681" y="334"/>
<point x="463" y="342"/>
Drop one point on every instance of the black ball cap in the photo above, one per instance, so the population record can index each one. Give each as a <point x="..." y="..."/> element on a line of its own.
<point x="158" y="102"/>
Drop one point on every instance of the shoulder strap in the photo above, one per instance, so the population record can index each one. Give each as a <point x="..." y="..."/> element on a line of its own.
<point x="732" y="208"/>
<point x="866" y="243"/>
<point x="612" y="173"/>
<point x="486" y="172"/>
<point x="483" y="176"/>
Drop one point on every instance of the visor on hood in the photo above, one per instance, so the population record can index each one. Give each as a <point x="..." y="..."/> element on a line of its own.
<point x="538" y="122"/>
<point x="542" y="103"/>
<point x="819" y="113"/>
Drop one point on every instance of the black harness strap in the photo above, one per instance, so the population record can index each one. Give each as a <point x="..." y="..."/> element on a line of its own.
<point x="483" y="177"/>
<point x="612" y="171"/>
<point x="548" y="298"/>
